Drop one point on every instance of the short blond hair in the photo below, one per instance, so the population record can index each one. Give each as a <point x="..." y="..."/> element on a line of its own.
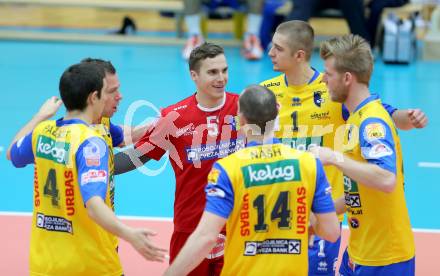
<point x="352" y="54"/>
<point x="300" y="36"/>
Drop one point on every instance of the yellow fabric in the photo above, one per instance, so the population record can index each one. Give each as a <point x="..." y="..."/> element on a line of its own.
<point x="280" y="182"/>
<point x="383" y="232"/>
<point x="76" y="245"/>
<point x="308" y="117"/>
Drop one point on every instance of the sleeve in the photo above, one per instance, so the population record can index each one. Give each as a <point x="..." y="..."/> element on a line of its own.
<point x="377" y="144"/>
<point x="158" y="139"/>
<point x="390" y="109"/>
<point x="117" y="134"/>
<point x="322" y="200"/>
<point x="21" y="152"/>
<point x="92" y="164"/>
<point x="219" y="193"/>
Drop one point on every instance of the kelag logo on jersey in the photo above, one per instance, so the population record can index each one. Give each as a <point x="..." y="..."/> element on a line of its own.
<point x="317" y="99"/>
<point x="271" y="173"/>
<point x="48" y="149"/>
<point x="302" y="143"/>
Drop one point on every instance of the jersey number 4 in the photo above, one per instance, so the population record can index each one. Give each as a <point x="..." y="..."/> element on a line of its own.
<point x="50" y="188"/>
<point x="280" y="212"/>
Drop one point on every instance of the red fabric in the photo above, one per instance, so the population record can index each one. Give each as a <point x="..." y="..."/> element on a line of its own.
<point x="211" y="267"/>
<point x="183" y="131"/>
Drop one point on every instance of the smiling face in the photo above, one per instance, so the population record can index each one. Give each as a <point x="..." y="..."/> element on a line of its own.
<point x="211" y="77"/>
<point x="113" y="95"/>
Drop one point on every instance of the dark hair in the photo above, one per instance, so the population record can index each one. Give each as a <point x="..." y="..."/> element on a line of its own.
<point x="107" y="65"/>
<point x="204" y="51"/>
<point x="258" y="105"/>
<point x="78" y="82"/>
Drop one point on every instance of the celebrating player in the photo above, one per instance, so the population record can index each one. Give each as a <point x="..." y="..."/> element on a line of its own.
<point x="264" y="194"/>
<point x="381" y="240"/>
<point x="74" y="228"/>
<point x="308" y="117"/>
<point x="196" y="131"/>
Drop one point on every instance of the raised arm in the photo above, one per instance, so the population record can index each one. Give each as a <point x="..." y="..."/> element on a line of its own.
<point x="47" y="110"/>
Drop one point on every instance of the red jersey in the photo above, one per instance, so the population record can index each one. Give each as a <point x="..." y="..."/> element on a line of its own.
<point x="195" y="138"/>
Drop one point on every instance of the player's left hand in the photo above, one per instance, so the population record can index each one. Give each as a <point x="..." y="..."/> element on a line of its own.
<point x="326" y="155"/>
<point x="417" y="118"/>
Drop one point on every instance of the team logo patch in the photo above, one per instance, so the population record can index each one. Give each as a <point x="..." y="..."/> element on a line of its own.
<point x="92" y="176"/>
<point x="217" y="192"/>
<point x="354" y="222"/>
<point x="374" y="131"/>
<point x="377" y="151"/>
<point x="213" y="176"/>
<point x="317" y="98"/>
<point x="92" y="155"/>
<point x="271" y="173"/>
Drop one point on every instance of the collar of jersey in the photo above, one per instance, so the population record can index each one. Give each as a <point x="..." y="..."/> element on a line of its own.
<point x="367" y="100"/>
<point x="314" y="77"/>
<point x="267" y="142"/>
<point x="62" y="122"/>
<point x="207" y="109"/>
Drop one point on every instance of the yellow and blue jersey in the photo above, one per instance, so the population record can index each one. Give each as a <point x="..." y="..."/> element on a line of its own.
<point x="380" y="229"/>
<point x="71" y="166"/>
<point x="308" y="117"/>
<point x="266" y="193"/>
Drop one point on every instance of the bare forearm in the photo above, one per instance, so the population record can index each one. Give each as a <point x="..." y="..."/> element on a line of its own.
<point x="24" y="131"/>
<point x="401" y="119"/>
<point x="368" y="174"/>
<point x="133" y="134"/>
<point x="326" y="226"/>
<point x="100" y="213"/>
<point x="195" y="250"/>
<point x="340" y="205"/>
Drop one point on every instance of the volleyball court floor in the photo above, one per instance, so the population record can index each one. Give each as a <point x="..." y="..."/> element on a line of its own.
<point x="156" y="76"/>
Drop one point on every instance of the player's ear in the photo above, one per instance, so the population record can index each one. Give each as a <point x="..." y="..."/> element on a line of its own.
<point x="193" y="74"/>
<point x="93" y="97"/>
<point x="242" y="119"/>
<point x="348" y="78"/>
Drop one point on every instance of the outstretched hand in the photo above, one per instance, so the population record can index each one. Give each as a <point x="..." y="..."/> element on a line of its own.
<point x="140" y="240"/>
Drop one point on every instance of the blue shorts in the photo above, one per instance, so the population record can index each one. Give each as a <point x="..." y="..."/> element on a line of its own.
<point x="323" y="257"/>
<point x="406" y="268"/>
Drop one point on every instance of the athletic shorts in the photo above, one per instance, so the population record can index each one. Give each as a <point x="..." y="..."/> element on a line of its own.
<point x="348" y="268"/>
<point x="212" y="265"/>
<point x="323" y="257"/>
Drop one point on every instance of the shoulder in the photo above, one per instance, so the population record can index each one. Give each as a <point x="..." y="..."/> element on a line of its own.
<point x="180" y="106"/>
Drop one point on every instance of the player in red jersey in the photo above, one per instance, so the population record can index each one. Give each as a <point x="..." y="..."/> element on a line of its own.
<point x="196" y="132"/>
